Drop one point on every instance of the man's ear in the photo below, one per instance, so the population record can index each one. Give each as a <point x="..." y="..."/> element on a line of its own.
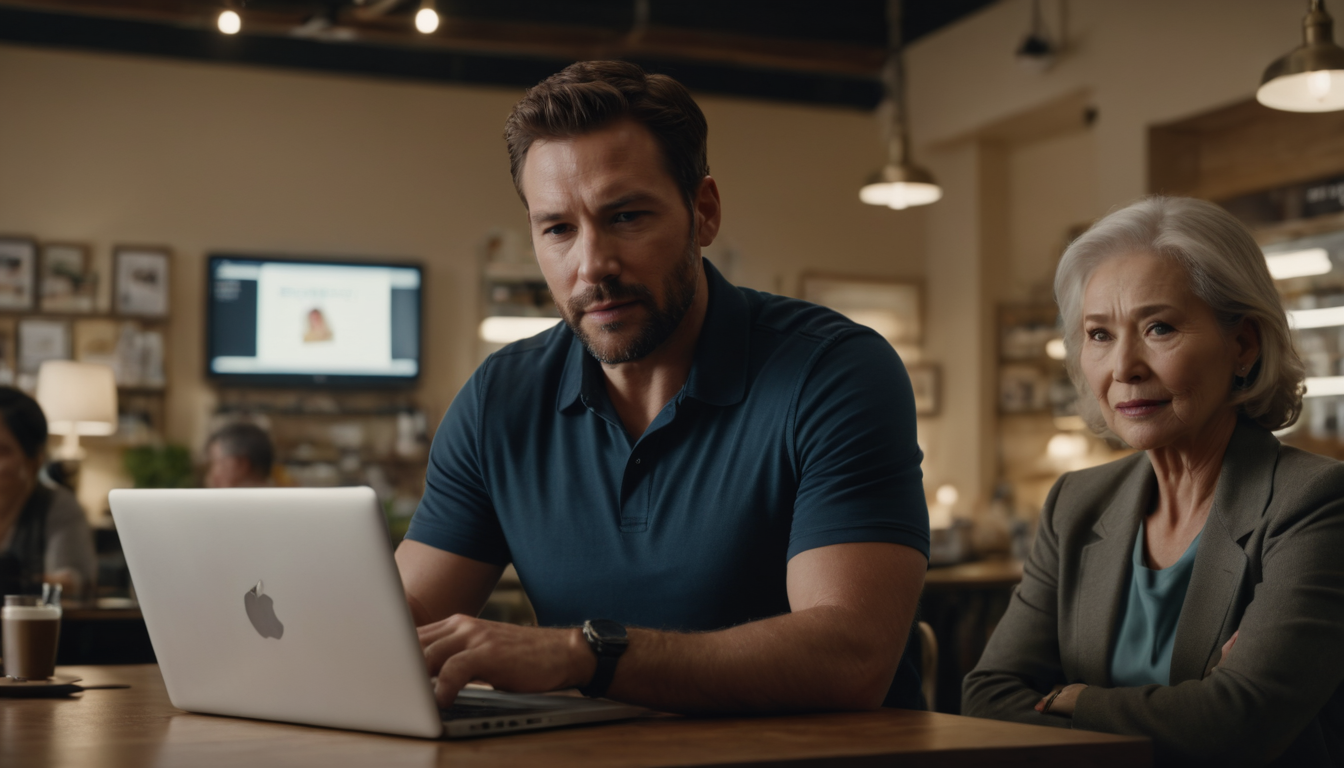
<point x="708" y="212"/>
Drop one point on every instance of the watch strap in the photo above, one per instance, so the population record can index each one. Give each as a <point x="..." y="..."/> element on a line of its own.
<point x="602" y="677"/>
<point x="607" y="640"/>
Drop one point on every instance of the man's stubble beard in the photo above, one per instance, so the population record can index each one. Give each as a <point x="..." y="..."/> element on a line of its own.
<point x="678" y="290"/>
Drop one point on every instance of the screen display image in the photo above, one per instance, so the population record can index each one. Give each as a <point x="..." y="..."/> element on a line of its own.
<point x="287" y="322"/>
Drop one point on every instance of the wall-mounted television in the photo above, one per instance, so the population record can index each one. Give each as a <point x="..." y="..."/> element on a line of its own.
<point x="287" y="322"/>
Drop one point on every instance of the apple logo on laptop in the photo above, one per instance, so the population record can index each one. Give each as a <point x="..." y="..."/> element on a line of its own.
<point x="261" y="612"/>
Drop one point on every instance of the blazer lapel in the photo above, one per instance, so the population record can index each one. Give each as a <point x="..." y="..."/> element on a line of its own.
<point x="1245" y="484"/>
<point x="1104" y="571"/>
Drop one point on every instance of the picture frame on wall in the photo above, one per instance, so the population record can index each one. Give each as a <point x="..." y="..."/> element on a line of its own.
<point x="9" y="352"/>
<point x="140" y="287"/>
<point x="18" y="273"/>
<point x="925" y="381"/>
<point x="67" y="280"/>
<point x="41" y="340"/>
<point x="892" y="307"/>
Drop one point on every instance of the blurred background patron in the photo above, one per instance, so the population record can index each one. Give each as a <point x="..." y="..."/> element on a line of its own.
<point x="44" y="534"/>
<point x="240" y="456"/>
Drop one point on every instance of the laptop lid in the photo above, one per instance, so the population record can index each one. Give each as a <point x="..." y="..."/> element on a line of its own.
<point x="278" y="604"/>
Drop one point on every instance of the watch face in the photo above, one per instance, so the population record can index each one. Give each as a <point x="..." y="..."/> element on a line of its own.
<point x="608" y="631"/>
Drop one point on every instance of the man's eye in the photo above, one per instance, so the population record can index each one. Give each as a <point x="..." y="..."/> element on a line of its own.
<point x="558" y="229"/>
<point x="625" y="217"/>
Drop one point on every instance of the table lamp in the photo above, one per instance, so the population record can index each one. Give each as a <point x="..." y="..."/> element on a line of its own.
<point x="78" y="399"/>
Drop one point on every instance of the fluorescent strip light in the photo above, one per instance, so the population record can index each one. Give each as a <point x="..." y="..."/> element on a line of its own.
<point x="506" y="330"/>
<point x="1313" y="261"/>
<point x="1329" y="317"/>
<point x="1324" y="386"/>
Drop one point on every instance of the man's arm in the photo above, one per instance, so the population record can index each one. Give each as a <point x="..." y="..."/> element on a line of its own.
<point x="439" y="584"/>
<point x="852" y="607"/>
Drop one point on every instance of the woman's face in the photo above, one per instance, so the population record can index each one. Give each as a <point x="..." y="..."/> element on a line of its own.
<point x="18" y="473"/>
<point x="1155" y="355"/>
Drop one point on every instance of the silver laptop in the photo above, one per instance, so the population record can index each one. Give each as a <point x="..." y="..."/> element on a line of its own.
<point x="285" y="604"/>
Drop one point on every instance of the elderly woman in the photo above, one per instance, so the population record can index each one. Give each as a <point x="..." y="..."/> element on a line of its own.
<point x="44" y="535"/>
<point x="1148" y="571"/>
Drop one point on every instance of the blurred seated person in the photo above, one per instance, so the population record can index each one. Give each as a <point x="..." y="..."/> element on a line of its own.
<point x="1192" y="592"/>
<point x="240" y="456"/>
<point x="44" y="534"/>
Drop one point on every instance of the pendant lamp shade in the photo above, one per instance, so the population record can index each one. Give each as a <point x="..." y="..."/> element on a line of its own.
<point x="1309" y="78"/>
<point x="899" y="184"/>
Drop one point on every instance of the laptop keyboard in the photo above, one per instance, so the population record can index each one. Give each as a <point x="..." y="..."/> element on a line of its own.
<point x="463" y="711"/>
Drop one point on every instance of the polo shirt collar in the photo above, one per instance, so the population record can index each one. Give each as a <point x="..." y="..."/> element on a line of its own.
<point x="718" y="372"/>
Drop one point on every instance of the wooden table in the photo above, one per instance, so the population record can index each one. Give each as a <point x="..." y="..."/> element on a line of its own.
<point x="138" y="727"/>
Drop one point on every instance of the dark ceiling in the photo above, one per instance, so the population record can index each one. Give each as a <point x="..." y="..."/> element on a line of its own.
<point x="814" y="51"/>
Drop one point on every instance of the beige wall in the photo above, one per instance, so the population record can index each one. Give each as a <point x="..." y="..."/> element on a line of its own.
<point x="111" y="149"/>
<point x="1139" y="62"/>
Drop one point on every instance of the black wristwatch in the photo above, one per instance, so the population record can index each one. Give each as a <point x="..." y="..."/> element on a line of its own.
<point x="608" y="641"/>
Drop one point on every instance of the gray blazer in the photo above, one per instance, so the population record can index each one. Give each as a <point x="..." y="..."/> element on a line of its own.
<point x="1270" y="563"/>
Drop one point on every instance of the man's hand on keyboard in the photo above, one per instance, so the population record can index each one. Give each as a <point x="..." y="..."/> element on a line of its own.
<point x="461" y="649"/>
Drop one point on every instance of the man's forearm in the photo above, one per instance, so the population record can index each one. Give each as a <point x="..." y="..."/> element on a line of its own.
<point x="824" y="657"/>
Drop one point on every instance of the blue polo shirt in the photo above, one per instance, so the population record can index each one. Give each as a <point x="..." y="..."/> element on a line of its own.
<point x="795" y="429"/>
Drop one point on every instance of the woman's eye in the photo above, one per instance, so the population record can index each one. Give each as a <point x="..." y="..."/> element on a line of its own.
<point x="1097" y="334"/>
<point x="1160" y="329"/>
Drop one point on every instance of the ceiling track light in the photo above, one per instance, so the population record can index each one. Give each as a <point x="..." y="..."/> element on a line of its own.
<point x="900" y="183"/>
<point x="427" y="18"/>
<point x="229" y="21"/>
<point x="1309" y="78"/>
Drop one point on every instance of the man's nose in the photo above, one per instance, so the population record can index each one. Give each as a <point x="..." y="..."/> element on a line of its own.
<point x="599" y="259"/>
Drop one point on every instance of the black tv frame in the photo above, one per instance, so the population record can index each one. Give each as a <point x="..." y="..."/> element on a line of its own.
<point x="311" y="381"/>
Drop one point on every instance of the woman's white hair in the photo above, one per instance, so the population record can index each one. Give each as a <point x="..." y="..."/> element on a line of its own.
<point x="1226" y="270"/>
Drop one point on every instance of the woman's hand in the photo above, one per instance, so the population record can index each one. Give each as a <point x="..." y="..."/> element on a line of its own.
<point x="1227" y="651"/>
<point x="1060" y="700"/>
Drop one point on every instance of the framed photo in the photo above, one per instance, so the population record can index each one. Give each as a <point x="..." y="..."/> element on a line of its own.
<point x="141" y="284"/>
<point x="893" y="308"/>
<point x="96" y="341"/>
<point x="40" y="341"/>
<point x="18" y="273"/>
<point x="68" y="282"/>
<point x="924" y="379"/>
<point x="9" y="352"/>
<point x="1023" y="388"/>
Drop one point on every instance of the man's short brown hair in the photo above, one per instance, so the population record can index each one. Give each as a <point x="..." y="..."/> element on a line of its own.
<point x="590" y="95"/>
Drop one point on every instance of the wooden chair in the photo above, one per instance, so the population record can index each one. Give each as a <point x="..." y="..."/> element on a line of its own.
<point x="928" y="654"/>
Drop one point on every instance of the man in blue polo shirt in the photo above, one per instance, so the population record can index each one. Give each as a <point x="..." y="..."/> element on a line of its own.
<point x="712" y="495"/>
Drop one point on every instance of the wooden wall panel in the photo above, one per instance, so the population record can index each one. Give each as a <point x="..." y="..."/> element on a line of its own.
<point x="1243" y="148"/>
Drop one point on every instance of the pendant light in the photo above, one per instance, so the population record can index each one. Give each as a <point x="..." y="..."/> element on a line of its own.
<point x="427" y="18"/>
<point x="1309" y="78"/>
<point x="900" y="183"/>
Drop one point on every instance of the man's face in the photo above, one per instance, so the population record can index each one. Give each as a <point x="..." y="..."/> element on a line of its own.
<point x="614" y="238"/>
<point x="227" y="471"/>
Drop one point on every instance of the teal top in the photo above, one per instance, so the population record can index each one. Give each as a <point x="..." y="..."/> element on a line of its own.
<point x="1148" y="616"/>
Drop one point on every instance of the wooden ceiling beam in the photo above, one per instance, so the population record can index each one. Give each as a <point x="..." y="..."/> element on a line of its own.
<point x="512" y="38"/>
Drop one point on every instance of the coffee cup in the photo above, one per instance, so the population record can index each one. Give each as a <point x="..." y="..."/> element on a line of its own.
<point x="31" y="630"/>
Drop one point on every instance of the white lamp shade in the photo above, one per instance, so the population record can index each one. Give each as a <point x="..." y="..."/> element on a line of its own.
<point x="77" y="398"/>
<point x="899" y="195"/>
<point x="1321" y="90"/>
